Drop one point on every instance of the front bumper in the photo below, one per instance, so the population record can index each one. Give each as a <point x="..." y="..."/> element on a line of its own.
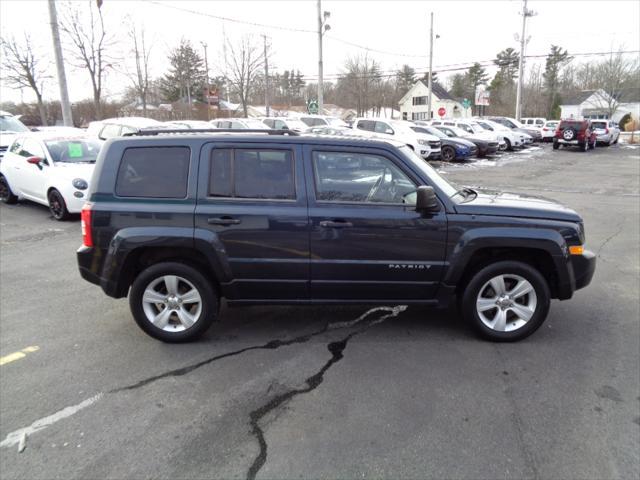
<point x="579" y="274"/>
<point x="435" y="154"/>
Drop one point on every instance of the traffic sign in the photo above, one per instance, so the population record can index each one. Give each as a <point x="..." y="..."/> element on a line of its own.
<point x="442" y="112"/>
<point x="466" y="103"/>
<point x="312" y="107"/>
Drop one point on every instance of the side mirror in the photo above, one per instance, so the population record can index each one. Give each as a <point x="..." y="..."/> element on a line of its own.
<point x="426" y="200"/>
<point x="34" y="160"/>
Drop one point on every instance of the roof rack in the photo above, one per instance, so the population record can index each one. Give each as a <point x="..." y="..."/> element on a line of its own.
<point x="159" y="131"/>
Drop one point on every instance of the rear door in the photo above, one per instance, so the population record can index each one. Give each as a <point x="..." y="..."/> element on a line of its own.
<point x="366" y="244"/>
<point x="252" y="198"/>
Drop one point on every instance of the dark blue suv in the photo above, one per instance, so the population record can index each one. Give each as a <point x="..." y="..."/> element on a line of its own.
<point x="179" y="221"/>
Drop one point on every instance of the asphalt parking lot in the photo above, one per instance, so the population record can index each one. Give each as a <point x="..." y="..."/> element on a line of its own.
<point x="328" y="392"/>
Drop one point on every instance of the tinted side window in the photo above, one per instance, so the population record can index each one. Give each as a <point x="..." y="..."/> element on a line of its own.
<point x="382" y="127"/>
<point x="268" y="122"/>
<point x="155" y="172"/>
<point x="359" y="177"/>
<point x="366" y="125"/>
<point x="244" y="173"/>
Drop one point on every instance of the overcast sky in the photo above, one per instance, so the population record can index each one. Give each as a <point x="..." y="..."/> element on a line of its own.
<point x="469" y="31"/>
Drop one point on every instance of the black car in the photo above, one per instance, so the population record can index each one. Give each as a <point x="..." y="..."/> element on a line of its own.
<point x="485" y="147"/>
<point x="452" y="148"/>
<point x="179" y="221"/>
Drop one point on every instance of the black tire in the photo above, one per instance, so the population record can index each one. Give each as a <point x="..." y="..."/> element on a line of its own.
<point x="509" y="146"/>
<point x="448" y="153"/>
<point x="209" y="301"/>
<point x="556" y="145"/>
<point x="506" y="267"/>
<point x="57" y="205"/>
<point x="617" y="138"/>
<point x="6" y="194"/>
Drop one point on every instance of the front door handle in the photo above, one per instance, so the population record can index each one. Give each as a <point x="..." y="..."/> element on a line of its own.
<point x="223" y="221"/>
<point x="335" y="224"/>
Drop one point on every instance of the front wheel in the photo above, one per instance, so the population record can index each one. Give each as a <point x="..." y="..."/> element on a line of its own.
<point x="57" y="205"/>
<point x="173" y="302"/>
<point x="448" y="154"/>
<point x="556" y="145"/>
<point x="6" y="195"/>
<point x="506" y="301"/>
<point x="509" y="146"/>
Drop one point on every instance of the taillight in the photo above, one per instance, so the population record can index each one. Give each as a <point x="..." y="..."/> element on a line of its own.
<point x="545" y="129"/>
<point x="85" y="224"/>
<point x="606" y="130"/>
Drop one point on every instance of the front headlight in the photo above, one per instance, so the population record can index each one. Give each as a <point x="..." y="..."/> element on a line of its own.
<point x="423" y="142"/>
<point x="80" y="184"/>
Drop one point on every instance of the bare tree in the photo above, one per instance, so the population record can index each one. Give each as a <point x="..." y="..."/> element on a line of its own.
<point x="612" y="76"/>
<point x="140" y="77"/>
<point x="24" y="69"/>
<point x="90" y="43"/>
<point x="246" y="64"/>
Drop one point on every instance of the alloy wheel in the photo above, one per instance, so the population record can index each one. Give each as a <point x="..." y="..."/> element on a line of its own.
<point x="172" y="303"/>
<point x="506" y="302"/>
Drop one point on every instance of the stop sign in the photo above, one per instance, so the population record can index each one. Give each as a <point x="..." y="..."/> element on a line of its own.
<point x="442" y="111"/>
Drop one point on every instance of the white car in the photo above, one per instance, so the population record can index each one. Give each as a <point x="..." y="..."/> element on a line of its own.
<point x="548" y="130"/>
<point x="607" y="131"/>
<point x="474" y="129"/>
<point x="49" y="169"/>
<point x="117" y="127"/>
<point x="285" y="123"/>
<point x="511" y="138"/>
<point x="239" y="124"/>
<point x="322" y="121"/>
<point x="188" y="124"/>
<point x="424" y="144"/>
<point x="9" y="127"/>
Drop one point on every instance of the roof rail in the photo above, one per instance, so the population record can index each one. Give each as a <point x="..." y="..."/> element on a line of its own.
<point x="160" y="131"/>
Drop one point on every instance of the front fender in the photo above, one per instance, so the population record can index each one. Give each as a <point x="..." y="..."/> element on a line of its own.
<point x="474" y="240"/>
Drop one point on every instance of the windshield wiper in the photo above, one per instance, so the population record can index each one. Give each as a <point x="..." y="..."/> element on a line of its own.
<point x="465" y="193"/>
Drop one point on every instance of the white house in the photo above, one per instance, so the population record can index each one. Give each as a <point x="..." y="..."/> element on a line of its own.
<point x="597" y="104"/>
<point x="413" y="106"/>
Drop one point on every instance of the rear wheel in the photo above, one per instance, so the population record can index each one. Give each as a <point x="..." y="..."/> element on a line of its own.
<point x="173" y="302"/>
<point x="57" y="205"/>
<point x="556" y="145"/>
<point x="506" y="301"/>
<point x="448" y="154"/>
<point x="6" y="195"/>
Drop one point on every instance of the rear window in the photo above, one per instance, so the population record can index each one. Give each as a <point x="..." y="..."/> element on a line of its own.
<point x="154" y="172"/>
<point x="602" y="125"/>
<point x="571" y="124"/>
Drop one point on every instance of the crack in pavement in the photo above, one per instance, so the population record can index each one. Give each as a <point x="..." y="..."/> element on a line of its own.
<point x="13" y="438"/>
<point x="608" y="239"/>
<point x="337" y="353"/>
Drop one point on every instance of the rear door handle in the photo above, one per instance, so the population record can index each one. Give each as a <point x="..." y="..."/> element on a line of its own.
<point x="223" y="221"/>
<point x="335" y="224"/>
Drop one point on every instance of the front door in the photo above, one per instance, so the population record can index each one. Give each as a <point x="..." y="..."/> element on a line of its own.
<point x="367" y="242"/>
<point x="253" y="199"/>
<point x="33" y="177"/>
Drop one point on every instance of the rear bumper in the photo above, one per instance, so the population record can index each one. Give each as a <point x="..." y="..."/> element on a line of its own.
<point x="88" y="265"/>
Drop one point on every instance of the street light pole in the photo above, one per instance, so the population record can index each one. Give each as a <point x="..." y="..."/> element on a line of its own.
<point x="266" y="78"/>
<point x="206" y="66"/>
<point x="67" y="117"/>
<point x="320" y="87"/>
<point x="429" y="113"/>
<point x="523" y="40"/>
<point x="322" y="28"/>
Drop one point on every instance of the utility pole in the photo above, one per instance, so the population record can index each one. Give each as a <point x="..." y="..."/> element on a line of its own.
<point x="322" y="28"/>
<point x="429" y="113"/>
<point x="523" y="41"/>
<point x="67" y="118"/>
<point x="266" y="77"/>
<point x="206" y="66"/>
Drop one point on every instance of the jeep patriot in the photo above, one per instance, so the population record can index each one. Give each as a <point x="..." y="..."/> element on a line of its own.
<point x="177" y="222"/>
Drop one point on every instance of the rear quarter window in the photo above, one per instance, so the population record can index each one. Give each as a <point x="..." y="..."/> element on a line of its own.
<point x="154" y="172"/>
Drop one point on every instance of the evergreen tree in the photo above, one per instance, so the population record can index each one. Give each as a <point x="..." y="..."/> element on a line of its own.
<point x="186" y="76"/>
<point x="556" y="60"/>
<point x="405" y="78"/>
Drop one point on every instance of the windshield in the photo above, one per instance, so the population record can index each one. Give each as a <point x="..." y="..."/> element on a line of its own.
<point x="516" y="123"/>
<point x="476" y="127"/>
<point x="430" y="131"/>
<point x="336" y="122"/>
<point x="297" y="125"/>
<point x="486" y="126"/>
<point x="448" y="189"/>
<point x="10" y="124"/>
<point x="458" y="132"/>
<point x="73" y="151"/>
